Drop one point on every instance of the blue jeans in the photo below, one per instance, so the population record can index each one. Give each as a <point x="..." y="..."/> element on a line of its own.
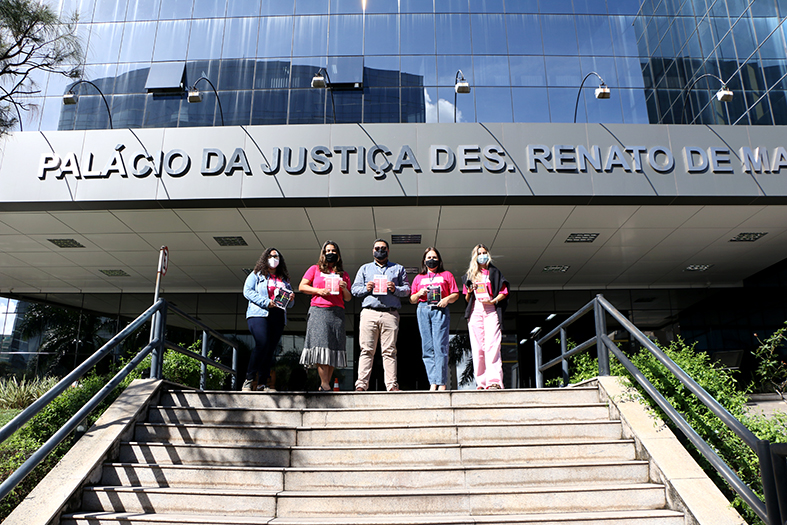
<point x="433" y="323"/>
<point x="267" y="333"/>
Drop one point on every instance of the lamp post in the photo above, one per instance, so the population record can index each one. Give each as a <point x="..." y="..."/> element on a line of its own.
<point x="321" y="81"/>
<point x="460" y="86"/>
<point x="70" y="98"/>
<point x="722" y="95"/>
<point x="602" y="91"/>
<point x="195" y="96"/>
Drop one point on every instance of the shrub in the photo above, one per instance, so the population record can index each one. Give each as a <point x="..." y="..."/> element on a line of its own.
<point x="20" y="394"/>
<point x="186" y="370"/>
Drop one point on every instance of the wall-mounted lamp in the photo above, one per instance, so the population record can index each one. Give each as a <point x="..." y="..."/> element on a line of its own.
<point x="724" y="94"/>
<point x="70" y="98"/>
<point x="460" y="86"/>
<point x="195" y="96"/>
<point x="602" y="91"/>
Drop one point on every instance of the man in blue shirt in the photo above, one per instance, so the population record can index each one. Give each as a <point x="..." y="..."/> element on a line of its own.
<point x="380" y="283"/>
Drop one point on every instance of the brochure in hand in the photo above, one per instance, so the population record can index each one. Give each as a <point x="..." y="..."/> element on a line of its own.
<point x="282" y="298"/>
<point x="332" y="282"/>
<point x="434" y="293"/>
<point x="380" y="285"/>
<point x="480" y="291"/>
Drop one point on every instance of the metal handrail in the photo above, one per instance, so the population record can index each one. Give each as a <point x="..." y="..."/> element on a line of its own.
<point x="773" y="470"/>
<point x="155" y="347"/>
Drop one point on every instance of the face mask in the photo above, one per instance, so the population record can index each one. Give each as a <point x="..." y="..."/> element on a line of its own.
<point x="432" y="263"/>
<point x="483" y="258"/>
<point x="331" y="257"/>
<point x="273" y="262"/>
<point x="380" y="254"/>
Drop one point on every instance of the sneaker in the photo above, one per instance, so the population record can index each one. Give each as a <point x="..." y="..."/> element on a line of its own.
<point x="494" y="386"/>
<point x="394" y="388"/>
<point x="249" y="385"/>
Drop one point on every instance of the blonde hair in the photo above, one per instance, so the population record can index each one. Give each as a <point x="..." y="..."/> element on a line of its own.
<point x="473" y="271"/>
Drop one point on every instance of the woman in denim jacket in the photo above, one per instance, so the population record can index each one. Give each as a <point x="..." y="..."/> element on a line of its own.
<point x="268" y="290"/>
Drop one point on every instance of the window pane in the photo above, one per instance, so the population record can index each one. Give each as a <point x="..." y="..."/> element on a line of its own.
<point x="138" y="38"/>
<point x="131" y="78"/>
<point x="491" y="71"/>
<point x="349" y="105"/>
<point x="240" y="38"/>
<point x="465" y="105"/>
<point x="303" y="70"/>
<point x="307" y="106"/>
<point x="311" y="7"/>
<point x="143" y="9"/>
<point x="418" y="34"/>
<point x="237" y="108"/>
<point x="381" y="6"/>
<point x="209" y="8"/>
<point x="604" y="66"/>
<point x="176" y="9"/>
<point x="450" y="6"/>
<point x="452" y="38"/>
<point x="630" y="72"/>
<point x="346" y="7"/>
<point x="556" y="6"/>
<point x="591" y="7"/>
<point x="561" y="104"/>
<point x="236" y="74"/>
<point x="524" y="35"/>
<point x="205" y="42"/>
<point x="416" y="6"/>
<point x="204" y="113"/>
<point x="104" y="44"/>
<point x="277" y="7"/>
<point x="172" y="40"/>
<point x="489" y="35"/>
<point x="275" y="37"/>
<point x="202" y="68"/>
<point x="413" y="104"/>
<point x="522" y="6"/>
<point x="272" y="74"/>
<point x="530" y="104"/>
<point x="83" y="8"/>
<point x="563" y="71"/>
<point x="243" y="8"/>
<point x="346" y="35"/>
<point x="92" y="113"/>
<point x="127" y="111"/>
<point x="594" y="35"/>
<point x="110" y="11"/>
<point x="382" y="35"/>
<point x="493" y="105"/>
<point x="431" y="102"/>
<point x="418" y="71"/>
<point x="269" y="107"/>
<point x="599" y="110"/>
<point x="448" y="66"/>
<point x="635" y="108"/>
<point x="528" y="71"/>
<point x="487" y="6"/>
<point x="381" y="72"/>
<point x="162" y="111"/>
<point x="624" y="37"/>
<point x="310" y="36"/>
<point x="559" y="34"/>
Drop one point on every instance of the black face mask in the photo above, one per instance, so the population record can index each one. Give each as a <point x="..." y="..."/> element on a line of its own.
<point x="380" y="254"/>
<point x="331" y="257"/>
<point x="432" y="263"/>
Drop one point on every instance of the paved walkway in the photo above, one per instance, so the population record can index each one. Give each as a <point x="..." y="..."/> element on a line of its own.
<point x="767" y="404"/>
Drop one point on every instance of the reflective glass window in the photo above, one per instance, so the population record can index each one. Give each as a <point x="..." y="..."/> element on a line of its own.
<point x="345" y="36"/>
<point x="240" y="38"/>
<point x="104" y="44"/>
<point x="236" y="74"/>
<point x="413" y="104"/>
<point x="451" y="6"/>
<point x="381" y="105"/>
<point x="491" y="71"/>
<point x="91" y="113"/>
<point x="143" y="10"/>
<point x="203" y="113"/>
<point x="522" y="6"/>
<point x="764" y="8"/>
<point x="381" y="71"/>
<point x="381" y="6"/>
<point x="599" y="110"/>
<point x="563" y="71"/>
<point x="634" y="106"/>
<point x="205" y="42"/>
<point x="277" y="7"/>
<point x="272" y="74"/>
<point x="465" y="105"/>
<point x="630" y="72"/>
<point x="487" y="6"/>
<point x="561" y="104"/>
<point x="50" y="114"/>
<point x="243" y="8"/>
<point x="528" y="71"/>
<point x="311" y="7"/>
<point x="161" y="111"/>
<point x="172" y="39"/>
<point x="110" y="11"/>
<point x="346" y="7"/>
<point x="556" y="6"/>
<point x="604" y="66"/>
<point x="307" y="106"/>
<point x="418" y="71"/>
<point x="594" y="35"/>
<point x="382" y="35"/>
<point x="175" y="9"/>
<point x="452" y="38"/>
<point x="303" y="70"/>
<point x="591" y="7"/>
<point x="237" y="108"/>
<point x="310" y="36"/>
<point x="275" y="37"/>
<point x="348" y="106"/>
<point x="530" y="104"/>
<point x="131" y="78"/>
<point x="752" y="77"/>
<point x="489" y="34"/>
<point x="448" y="66"/>
<point x="723" y="35"/>
<point x="775" y="72"/>
<point x="58" y="84"/>
<point x="418" y="34"/>
<point x="778" y="101"/>
<point x="493" y="104"/>
<point x="67" y="116"/>
<point x="128" y="110"/>
<point x="559" y="34"/>
<point x="82" y="8"/>
<point x="771" y="46"/>
<point x="431" y="101"/>
<point x="138" y="38"/>
<point x="269" y="107"/>
<point x="103" y="76"/>
<point x="524" y="35"/>
<point x="416" y="6"/>
<point x="624" y="37"/>
<point x="209" y="8"/>
<point x="202" y="68"/>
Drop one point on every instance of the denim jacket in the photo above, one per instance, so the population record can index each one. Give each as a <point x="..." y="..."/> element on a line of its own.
<point x="255" y="289"/>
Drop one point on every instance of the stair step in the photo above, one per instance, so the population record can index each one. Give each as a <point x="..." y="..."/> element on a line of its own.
<point x="417" y="477"/>
<point x="465" y="398"/>
<point x="273" y="456"/>
<point x="638" y="517"/>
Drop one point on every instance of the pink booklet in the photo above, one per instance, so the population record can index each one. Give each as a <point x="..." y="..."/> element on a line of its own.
<point x="332" y="282"/>
<point x="380" y="285"/>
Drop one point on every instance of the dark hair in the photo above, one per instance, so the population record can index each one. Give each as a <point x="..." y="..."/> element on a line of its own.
<point x="322" y="264"/>
<point x="387" y="247"/>
<point x="262" y="268"/>
<point x="439" y="268"/>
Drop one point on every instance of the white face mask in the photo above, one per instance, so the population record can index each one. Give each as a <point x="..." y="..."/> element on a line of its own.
<point x="273" y="262"/>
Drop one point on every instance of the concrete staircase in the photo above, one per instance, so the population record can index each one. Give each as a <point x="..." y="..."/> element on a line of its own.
<point x="510" y="457"/>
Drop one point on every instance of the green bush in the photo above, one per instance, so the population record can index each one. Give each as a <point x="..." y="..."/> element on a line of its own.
<point x="719" y="383"/>
<point x="186" y="370"/>
<point x="20" y="394"/>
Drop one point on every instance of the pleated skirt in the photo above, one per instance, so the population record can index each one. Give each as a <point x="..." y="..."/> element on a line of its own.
<point x="326" y="339"/>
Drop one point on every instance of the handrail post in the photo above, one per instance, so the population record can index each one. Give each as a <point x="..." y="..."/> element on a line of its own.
<point x="539" y="373"/>
<point x="203" y="372"/>
<point x="161" y="330"/>
<point x="234" y="367"/>
<point x="563" y="350"/>
<point x="155" y="355"/>
<point x="768" y="482"/>
<point x="779" y="461"/>
<point x="601" y="329"/>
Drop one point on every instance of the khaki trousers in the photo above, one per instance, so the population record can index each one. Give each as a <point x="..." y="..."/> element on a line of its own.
<point x="385" y="327"/>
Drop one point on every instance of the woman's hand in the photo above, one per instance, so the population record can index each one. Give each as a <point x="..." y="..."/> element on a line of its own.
<point x="443" y="302"/>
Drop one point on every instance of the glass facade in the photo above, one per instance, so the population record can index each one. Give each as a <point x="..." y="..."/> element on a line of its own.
<point x="524" y="59"/>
